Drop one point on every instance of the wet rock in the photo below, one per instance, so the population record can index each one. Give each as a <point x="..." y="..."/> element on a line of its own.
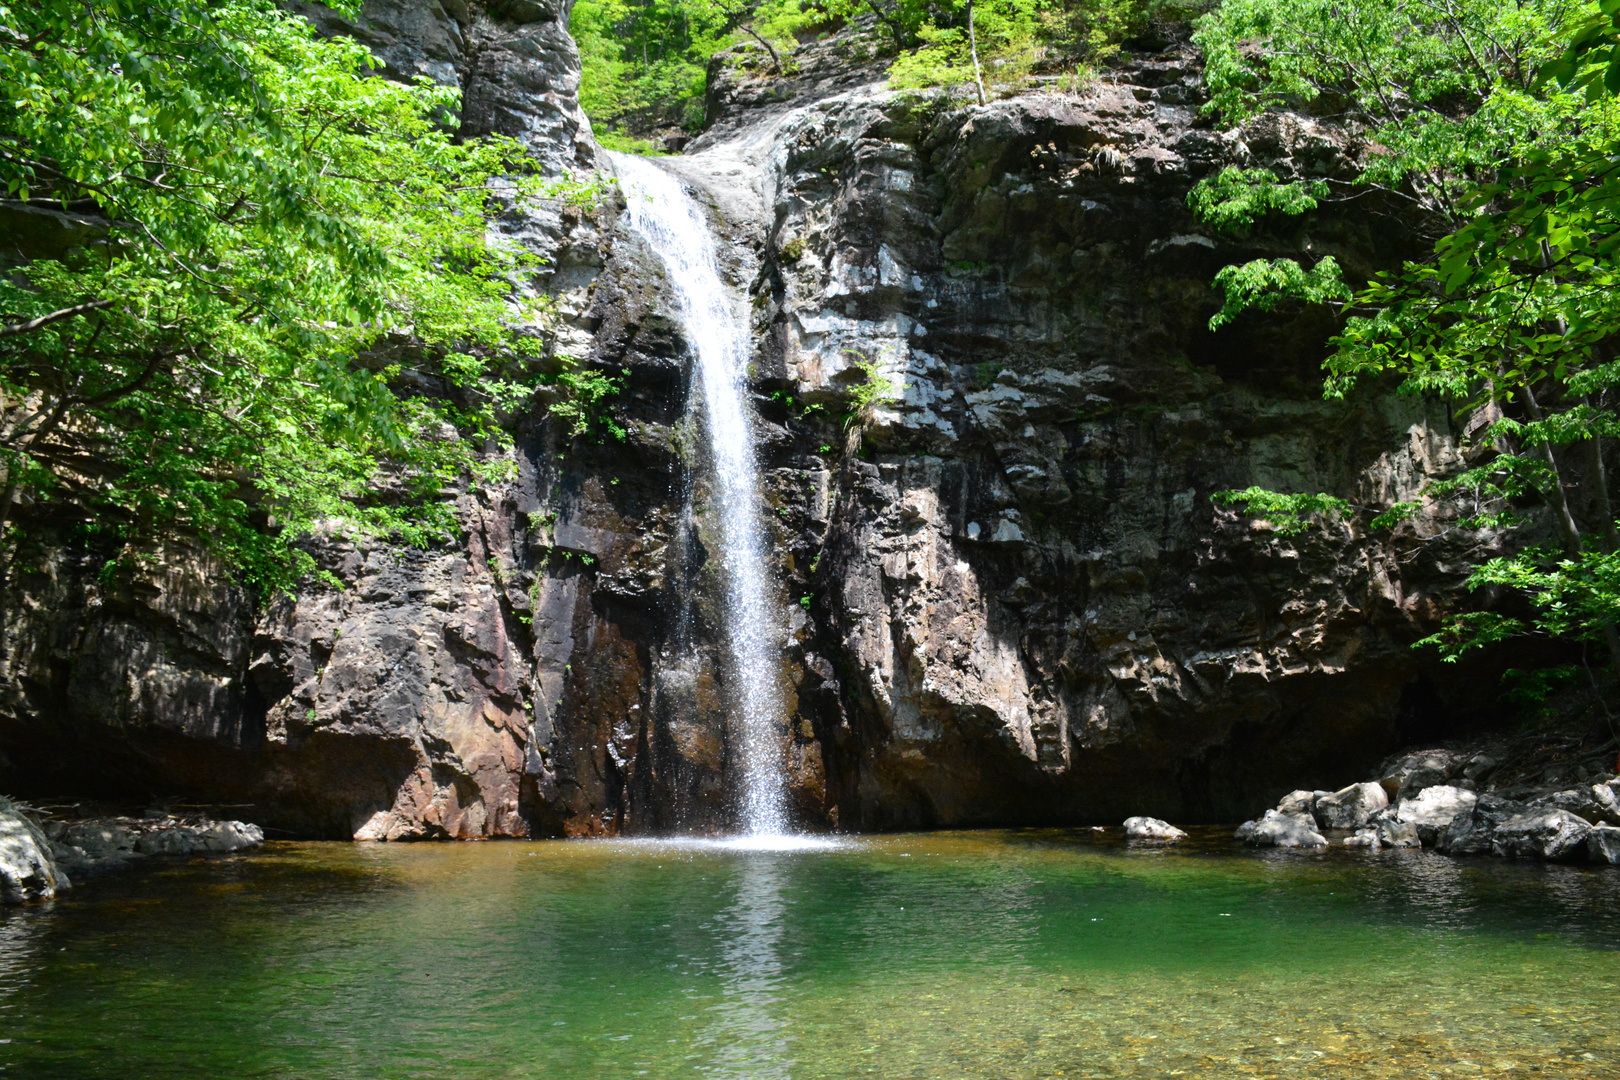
<point x="1367" y="838"/>
<point x="1280" y="830"/>
<point x="1393" y="832"/>
<point x="28" y="871"/>
<point x="1350" y="807"/>
<point x="1542" y="834"/>
<point x="1152" y="829"/>
<point x="1434" y="808"/>
<point x="1603" y="844"/>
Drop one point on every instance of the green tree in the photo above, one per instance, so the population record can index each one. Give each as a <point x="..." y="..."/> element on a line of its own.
<point x="1516" y="312"/>
<point x="279" y="306"/>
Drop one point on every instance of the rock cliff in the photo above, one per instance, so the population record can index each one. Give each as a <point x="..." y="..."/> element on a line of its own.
<point x="1012" y="599"/>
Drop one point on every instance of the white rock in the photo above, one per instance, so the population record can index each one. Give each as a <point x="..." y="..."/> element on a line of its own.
<point x="1280" y="830"/>
<point x="1541" y="834"/>
<point x="1349" y="808"/>
<point x="27" y="869"/>
<point x="1300" y="802"/>
<point x="1434" y="808"/>
<point x="1151" y="828"/>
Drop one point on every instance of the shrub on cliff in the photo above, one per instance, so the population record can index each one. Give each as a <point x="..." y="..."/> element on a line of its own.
<point x="242" y="235"/>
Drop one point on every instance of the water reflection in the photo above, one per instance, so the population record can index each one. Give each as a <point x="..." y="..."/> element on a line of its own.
<point x="747" y="1038"/>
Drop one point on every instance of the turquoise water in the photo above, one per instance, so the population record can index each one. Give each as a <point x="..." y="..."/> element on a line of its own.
<point x="1031" y="954"/>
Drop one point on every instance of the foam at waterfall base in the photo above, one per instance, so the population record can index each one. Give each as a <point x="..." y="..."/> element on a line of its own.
<point x="768" y="842"/>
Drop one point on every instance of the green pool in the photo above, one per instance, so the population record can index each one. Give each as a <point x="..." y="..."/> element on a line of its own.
<point x="1018" y="954"/>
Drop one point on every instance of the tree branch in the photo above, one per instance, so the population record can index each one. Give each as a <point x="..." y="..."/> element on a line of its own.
<point x="56" y="316"/>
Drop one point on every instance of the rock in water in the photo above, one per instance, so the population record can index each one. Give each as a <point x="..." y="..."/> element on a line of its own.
<point x="217" y="837"/>
<point x="1433" y="810"/>
<point x="1542" y="834"/>
<point x="1300" y="802"/>
<point x="1349" y="808"/>
<point x="1280" y="830"/>
<point x="1472" y="833"/>
<point x="27" y="870"/>
<point x="1603" y="844"/>
<point x="1151" y="828"/>
<point x="1393" y="832"/>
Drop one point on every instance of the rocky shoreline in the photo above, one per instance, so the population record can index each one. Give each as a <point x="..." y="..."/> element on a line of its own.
<point x="41" y="858"/>
<point x="1452" y="802"/>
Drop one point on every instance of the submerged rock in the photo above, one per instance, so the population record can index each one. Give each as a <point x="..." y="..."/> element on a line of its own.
<point x="1280" y="830"/>
<point x="1542" y="834"/>
<point x="1351" y="807"/>
<point x="1149" y="828"/>
<point x="1393" y="832"/>
<point x="28" y="871"/>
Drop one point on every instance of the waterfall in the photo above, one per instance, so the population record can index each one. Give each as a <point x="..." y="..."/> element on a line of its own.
<point x="673" y="225"/>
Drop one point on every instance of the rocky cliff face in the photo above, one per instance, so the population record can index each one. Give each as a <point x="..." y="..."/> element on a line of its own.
<point x="1011" y="597"/>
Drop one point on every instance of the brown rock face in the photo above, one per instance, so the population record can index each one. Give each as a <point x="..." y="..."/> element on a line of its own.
<point x="1011" y="597"/>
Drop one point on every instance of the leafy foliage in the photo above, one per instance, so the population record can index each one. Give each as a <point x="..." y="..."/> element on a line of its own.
<point x="1517" y="311"/>
<point x="654" y="55"/>
<point x="1290" y="515"/>
<point x="280" y="308"/>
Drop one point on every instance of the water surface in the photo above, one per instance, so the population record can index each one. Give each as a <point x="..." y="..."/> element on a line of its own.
<point x="1029" y="954"/>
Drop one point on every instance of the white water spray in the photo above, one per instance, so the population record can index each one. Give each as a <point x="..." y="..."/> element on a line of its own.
<point x="671" y="222"/>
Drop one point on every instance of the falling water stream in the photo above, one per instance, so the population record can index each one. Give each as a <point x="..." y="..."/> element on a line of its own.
<point x="673" y="225"/>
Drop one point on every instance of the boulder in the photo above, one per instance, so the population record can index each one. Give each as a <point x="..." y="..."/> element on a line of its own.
<point x="1434" y="808"/>
<point x="1542" y="834"/>
<point x="1393" y="832"/>
<point x="1606" y="801"/>
<point x="1349" y="808"/>
<point x="179" y="840"/>
<point x="1152" y="829"/>
<point x="1472" y="833"/>
<point x="1300" y="802"/>
<point x="1603" y="844"/>
<point x="1280" y="830"/>
<point x="1410" y="774"/>
<point x="214" y="837"/>
<point x="1367" y="838"/>
<point x="226" y="836"/>
<point x="1581" y="801"/>
<point x="97" y="839"/>
<point x="28" y="870"/>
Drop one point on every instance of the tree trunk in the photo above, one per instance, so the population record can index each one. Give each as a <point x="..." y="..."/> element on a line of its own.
<point x="973" y="50"/>
<point x="1567" y="528"/>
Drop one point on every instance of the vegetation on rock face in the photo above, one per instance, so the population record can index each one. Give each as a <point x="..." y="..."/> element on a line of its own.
<point x="1498" y="123"/>
<point x="255" y="292"/>
<point x="650" y="58"/>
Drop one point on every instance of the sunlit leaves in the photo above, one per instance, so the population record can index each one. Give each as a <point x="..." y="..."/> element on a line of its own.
<point x="305" y="316"/>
